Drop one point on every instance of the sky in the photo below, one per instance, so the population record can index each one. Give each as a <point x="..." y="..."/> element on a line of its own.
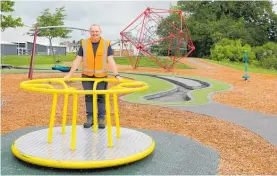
<point x="112" y="16"/>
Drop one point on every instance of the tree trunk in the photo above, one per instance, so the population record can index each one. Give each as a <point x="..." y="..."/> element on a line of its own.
<point x="52" y="49"/>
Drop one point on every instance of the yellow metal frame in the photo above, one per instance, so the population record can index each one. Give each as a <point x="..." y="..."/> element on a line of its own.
<point x="84" y="164"/>
<point x="124" y="86"/>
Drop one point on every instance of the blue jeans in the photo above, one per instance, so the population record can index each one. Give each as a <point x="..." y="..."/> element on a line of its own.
<point x="88" y="85"/>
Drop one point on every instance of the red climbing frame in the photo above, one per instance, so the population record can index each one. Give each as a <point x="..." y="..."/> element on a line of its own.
<point x="154" y="33"/>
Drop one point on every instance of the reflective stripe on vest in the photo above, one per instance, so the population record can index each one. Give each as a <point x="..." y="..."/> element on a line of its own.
<point x="104" y="59"/>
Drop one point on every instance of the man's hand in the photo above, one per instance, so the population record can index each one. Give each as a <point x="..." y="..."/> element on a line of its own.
<point x="67" y="77"/>
<point x="75" y="65"/>
<point x="118" y="78"/>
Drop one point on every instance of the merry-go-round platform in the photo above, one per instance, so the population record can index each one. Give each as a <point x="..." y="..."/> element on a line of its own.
<point x="75" y="147"/>
<point x="91" y="148"/>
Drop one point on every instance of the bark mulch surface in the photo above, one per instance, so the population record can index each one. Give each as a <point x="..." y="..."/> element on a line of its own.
<point x="241" y="151"/>
<point x="258" y="94"/>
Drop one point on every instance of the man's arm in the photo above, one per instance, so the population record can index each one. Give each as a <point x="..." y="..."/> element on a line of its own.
<point x="75" y="63"/>
<point x="111" y="61"/>
<point x="112" y="65"/>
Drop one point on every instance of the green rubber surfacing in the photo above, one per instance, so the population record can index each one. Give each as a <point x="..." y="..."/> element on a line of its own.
<point x="174" y="154"/>
<point x="156" y="85"/>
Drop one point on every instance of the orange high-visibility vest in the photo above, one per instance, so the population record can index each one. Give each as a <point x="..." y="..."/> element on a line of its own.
<point x="95" y="66"/>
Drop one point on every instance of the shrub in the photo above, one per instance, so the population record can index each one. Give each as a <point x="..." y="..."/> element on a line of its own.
<point x="266" y="55"/>
<point x="231" y="50"/>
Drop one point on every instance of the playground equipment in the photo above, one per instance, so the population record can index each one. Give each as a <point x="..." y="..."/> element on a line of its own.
<point x="61" y="68"/>
<point x="36" y="32"/>
<point x="85" y="147"/>
<point x="245" y="60"/>
<point x="158" y="32"/>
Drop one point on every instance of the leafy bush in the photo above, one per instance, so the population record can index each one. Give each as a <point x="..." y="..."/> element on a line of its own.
<point x="269" y="62"/>
<point x="266" y="55"/>
<point x="231" y="50"/>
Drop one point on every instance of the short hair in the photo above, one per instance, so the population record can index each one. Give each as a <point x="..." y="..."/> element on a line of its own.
<point x="96" y="25"/>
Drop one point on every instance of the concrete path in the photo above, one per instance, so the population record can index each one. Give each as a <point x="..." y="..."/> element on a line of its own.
<point x="261" y="124"/>
<point x="188" y="82"/>
<point x="205" y="66"/>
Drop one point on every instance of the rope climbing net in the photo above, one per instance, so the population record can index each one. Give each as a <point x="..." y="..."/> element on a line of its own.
<point x="160" y="35"/>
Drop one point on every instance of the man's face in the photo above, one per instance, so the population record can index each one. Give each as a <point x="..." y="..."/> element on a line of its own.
<point x="95" y="32"/>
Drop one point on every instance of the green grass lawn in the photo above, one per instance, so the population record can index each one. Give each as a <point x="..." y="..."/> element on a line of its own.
<point x="45" y="61"/>
<point x="240" y="66"/>
<point x="147" y="62"/>
<point x="24" y="60"/>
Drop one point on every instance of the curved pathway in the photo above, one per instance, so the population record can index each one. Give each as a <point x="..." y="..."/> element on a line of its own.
<point x="259" y="123"/>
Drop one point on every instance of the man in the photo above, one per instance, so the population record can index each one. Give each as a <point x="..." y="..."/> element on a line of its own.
<point x="95" y="53"/>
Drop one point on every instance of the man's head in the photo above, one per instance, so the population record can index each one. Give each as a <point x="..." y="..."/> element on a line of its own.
<point x="95" y="32"/>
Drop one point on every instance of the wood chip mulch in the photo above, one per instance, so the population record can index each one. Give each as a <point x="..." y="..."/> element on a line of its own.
<point x="241" y="151"/>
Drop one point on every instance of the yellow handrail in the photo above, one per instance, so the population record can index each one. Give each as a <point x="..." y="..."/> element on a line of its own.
<point x="124" y="86"/>
<point x="95" y="108"/>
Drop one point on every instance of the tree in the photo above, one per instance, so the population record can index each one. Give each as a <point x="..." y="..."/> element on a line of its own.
<point x="48" y="19"/>
<point x="7" y="20"/>
<point x="210" y="21"/>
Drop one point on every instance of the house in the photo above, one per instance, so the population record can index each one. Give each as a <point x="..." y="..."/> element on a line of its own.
<point x="119" y="50"/>
<point x="71" y="47"/>
<point x="8" y="48"/>
<point x="25" y="48"/>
